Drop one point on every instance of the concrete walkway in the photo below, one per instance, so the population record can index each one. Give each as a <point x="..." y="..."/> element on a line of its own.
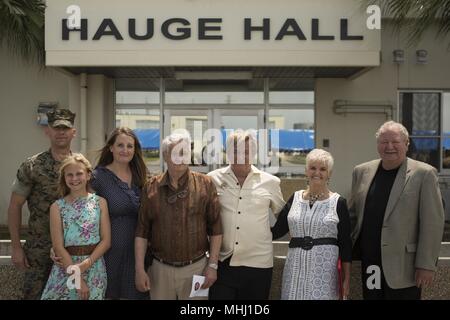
<point x="10" y="278"/>
<point x="440" y="290"/>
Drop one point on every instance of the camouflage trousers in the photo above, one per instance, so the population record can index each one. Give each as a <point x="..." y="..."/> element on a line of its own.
<point x="35" y="278"/>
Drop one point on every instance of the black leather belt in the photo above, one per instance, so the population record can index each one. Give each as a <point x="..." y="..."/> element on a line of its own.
<point x="179" y="264"/>
<point x="307" y="243"/>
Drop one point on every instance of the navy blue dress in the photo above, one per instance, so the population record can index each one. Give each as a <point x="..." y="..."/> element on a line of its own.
<point x="123" y="205"/>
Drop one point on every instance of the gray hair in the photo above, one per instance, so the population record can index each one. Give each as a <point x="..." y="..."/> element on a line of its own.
<point x="240" y="136"/>
<point x="174" y="139"/>
<point x="320" y="155"/>
<point x="393" y="125"/>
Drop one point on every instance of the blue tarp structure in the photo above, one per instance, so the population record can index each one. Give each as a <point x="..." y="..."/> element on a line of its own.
<point x="292" y="140"/>
<point x="288" y="140"/>
<point x="149" y="138"/>
<point x="446" y="142"/>
<point x="427" y="144"/>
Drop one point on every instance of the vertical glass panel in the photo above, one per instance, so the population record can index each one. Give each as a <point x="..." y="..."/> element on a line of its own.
<point x="230" y="123"/>
<point x="145" y="124"/>
<point x="446" y="131"/>
<point x="420" y="113"/>
<point x="214" y="91"/>
<point x="137" y="97"/>
<point x="214" y="97"/>
<point x="294" y="130"/>
<point x="245" y="120"/>
<point x="446" y="153"/>
<point x="291" y="97"/>
<point x="239" y="122"/>
<point x="446" y="113"/>
<point x="425" y="150"/>
<point x="196" y="125"/>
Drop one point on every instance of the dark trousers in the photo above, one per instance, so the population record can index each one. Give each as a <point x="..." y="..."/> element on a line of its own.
<point x="385" y="292"/>
<point x="241" y="283"/>
<point x="36" y="277"/>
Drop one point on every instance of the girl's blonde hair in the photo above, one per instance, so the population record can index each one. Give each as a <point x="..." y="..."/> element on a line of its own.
<point x="75" y="158"/>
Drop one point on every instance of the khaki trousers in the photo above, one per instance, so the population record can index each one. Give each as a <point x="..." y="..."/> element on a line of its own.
<point x="174" y="283"/>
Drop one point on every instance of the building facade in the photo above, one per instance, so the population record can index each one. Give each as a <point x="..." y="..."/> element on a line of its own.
<point x="294" y="70"/>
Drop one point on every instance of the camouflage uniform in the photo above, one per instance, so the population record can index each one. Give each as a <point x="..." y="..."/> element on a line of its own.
<point x="37" y="180"/>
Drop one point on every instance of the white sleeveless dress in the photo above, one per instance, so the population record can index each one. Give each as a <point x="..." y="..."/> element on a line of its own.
<point x="312" y="274"/>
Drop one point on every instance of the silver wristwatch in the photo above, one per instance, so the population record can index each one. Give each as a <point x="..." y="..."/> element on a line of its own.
<point x="214" y="266"/>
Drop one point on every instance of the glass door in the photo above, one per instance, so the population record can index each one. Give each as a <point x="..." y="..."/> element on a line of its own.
<point x="196" y="122"/>
<point x="208" y="124"/>
<point x="228" y="120"/>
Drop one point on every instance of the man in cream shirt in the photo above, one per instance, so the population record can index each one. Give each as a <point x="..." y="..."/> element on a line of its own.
<point x="246" y="194"/>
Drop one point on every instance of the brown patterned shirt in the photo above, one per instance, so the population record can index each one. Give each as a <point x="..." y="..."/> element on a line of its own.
<point x="177" y="223"/>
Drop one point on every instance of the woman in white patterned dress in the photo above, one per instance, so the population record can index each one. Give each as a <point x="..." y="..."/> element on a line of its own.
<point x="319" y="224"/>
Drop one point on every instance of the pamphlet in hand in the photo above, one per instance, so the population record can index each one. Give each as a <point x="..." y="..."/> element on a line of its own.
<point x="196" y="290"/>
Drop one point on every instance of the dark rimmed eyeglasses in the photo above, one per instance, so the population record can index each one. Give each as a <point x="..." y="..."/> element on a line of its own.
<point x="179" y="195"/>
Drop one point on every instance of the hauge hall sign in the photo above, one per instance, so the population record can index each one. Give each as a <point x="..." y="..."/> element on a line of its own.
<point x="208" y="29"/>
<point x="211" y="33"/>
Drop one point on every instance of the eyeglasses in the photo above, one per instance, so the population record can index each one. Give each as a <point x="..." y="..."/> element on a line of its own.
<point x="179" y="195"/>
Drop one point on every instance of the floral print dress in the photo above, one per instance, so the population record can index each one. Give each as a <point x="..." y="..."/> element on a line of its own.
<point x="81" y="223"/>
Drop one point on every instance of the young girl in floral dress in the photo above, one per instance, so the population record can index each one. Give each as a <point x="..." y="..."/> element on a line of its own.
<point x="80" y="232"/>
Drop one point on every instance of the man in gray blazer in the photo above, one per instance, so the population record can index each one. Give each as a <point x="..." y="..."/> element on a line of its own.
<point x="399" y="219"/>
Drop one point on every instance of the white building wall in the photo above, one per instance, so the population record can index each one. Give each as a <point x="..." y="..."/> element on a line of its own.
<point x="352" y="136"/>
<point x="100" y="111"/>
<point x="22" y="87"/>
<point x="95" y="114"/>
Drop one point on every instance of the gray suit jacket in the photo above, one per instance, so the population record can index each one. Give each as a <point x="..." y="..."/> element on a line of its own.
<point x="413" y="221"/>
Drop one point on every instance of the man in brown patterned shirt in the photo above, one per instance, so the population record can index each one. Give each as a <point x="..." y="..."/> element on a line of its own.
<point x="180" y="221"/>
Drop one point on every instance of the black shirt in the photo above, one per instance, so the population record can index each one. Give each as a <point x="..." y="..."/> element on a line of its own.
<point x="281" y="227"/>
<point x="375" y="206"/>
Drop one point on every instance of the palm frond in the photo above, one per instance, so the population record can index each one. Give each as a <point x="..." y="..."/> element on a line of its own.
<point x="22" y="28"/>
<point x="416" y="16"/>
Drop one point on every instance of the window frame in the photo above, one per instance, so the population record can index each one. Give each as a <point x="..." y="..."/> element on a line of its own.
<point x="266" y="107"/>
<point x="441" y="171"/>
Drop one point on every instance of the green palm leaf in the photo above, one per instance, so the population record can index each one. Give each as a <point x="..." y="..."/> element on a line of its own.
<point x="22" y="28"/>
<point x="416" y="16"/>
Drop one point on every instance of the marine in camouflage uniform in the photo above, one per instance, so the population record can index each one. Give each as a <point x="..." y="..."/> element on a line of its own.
<point x="37" y="180"/>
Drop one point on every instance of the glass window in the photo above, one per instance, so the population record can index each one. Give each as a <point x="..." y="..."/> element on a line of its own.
<point x="195" y="122"/>
<point x="425" y="150"/>
<point x="145" y="124"/>
<point x="230" y="123"/>
<point x="291" y="138"/>
<point x="214" y="92"/>
<point x="446" y="153"/>
<point x="291" y="97"/>
<point x="420" y="113"/>
<point x="446" y="131"/>
<point x="214" y="97"/>
<point x="137" y="97"/>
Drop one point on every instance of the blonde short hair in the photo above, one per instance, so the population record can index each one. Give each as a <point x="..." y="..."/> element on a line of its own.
<point x="320" y="155"/>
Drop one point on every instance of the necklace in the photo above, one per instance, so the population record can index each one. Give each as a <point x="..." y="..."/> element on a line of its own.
<point x="313" y="197"/>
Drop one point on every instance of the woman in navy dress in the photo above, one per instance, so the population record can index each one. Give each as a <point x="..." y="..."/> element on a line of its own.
<point x="119" y="178"/>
